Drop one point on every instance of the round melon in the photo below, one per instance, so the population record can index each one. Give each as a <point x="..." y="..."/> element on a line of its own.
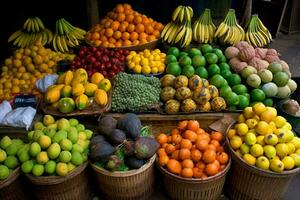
<point x="270" y="89"/>
<point x="247" y="71"/>
<point x="265" y="75"/>
<point x="281" y="79"/>
<point x="275" y="67"/>
<point x="292" y="85"/>
<point x="283" y="92"/>
<point x="253" y="80"/>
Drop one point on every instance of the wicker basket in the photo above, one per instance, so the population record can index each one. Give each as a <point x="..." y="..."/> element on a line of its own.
<point x="72" y="187"/>
<point x="131" y="185"/>
<point x="11" y="188"/>
<point x="179" y="188"/>
<point x="246" y="182"/>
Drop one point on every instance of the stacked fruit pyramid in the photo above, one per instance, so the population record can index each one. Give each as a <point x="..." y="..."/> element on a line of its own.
<point x="20" y="71"/>
<point x="265" y="140"/>
<point x="124" y="27"/>
<point x="73" y="88"/>
<point x="56" y="147"/>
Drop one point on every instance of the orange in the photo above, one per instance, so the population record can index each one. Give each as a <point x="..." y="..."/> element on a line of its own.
<point x="163" y="160"/>
<point x="222" y="157"/>
<point x="193" y="125"/>
<point x="156" y="33"/>
<point x="174" y="166"/>
<point x="122" y="27"/>
<point x="125" y="36"/>
<point x="110" y="14"/>
<point x="197" y="173"/>
<point x="107" y="23"/>
<point x="105" y="44"/>
<point x="187" y="163"/>
<point x="187" y="172"/>
<point x="185" y="144"/>
<point x="149" y="29"/>
<point x="134" y="36"/>
<point x="175" y="155"/>
<point x="184" y="154"/>
<point x="95" y="36"/>
<point x="129" y="18"/>
<point x="161" y="152"/>
<point x="190" y="135"/>
<point x="143" y="36"/>
<point x="200" y="165"/>
<point x="175" y="131"/>
<point x="118" y="44"/>
<point x="170" y="148"/>
<point x="162" y="138"/>
<point x="140" y="28"/>
<point x="127" y="6"/>
<point x="103" y="38"/>
<point x="215" y="143"/>
<point x="121" y="17"/>
<point x="126" y="43"/>
<point x="209" y="156"/>
<point x="119" y="8"/>
<point x="216" y="136"/>
<point x="117" y="35"/>
<point x="211" y="169"/>
<point x="159" y="26"/>
<point x="115" y="25"/>
<point x="176" y="139"/>
<point x="130" y="28"/>
<point x="182" y="125"/>
<point x="109" y="32"/>
<point x="150" y="38"/>
<point x="202" y="144"/>
<point x="112" y="40"/>
<point x="137" y="19"/>
<point x="196" y="155"/>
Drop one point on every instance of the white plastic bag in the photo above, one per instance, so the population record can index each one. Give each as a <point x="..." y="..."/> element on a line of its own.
<point x="5" y="108"/>
<point x="44" y="83"/>
<point x="20" y="117"/>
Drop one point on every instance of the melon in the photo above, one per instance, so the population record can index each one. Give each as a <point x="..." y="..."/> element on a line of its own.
<point x="247" y="71"/>
<point x="253" y="80"/>
<point x="292" y="85"/>
<point x="265" y="75"/>
<point x="281" y="79"/>
<point x="270" y="89"/>
<point x="283" y="92"/>
<point x="275" y="67"/>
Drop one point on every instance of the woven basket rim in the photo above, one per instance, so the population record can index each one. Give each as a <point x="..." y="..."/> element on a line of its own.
<point x="195" y="180"/>
<point x="132" y="172"/>
<point x="11" y="178"/>
<point x="254" y="169"/>
<point x="53" y="180"/>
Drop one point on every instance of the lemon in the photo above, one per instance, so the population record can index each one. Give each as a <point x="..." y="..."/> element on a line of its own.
<point x="154" y="70"/>
<point x="42" y="157"/>
<point x="151" y="57"/>
<point x="251" y="123"/>
<point x="61" y="169"/>
<point x="136" y="59"/>
<point x="131" y="65"/>
<point x="280" y="121"/>
<point x="146" y="69"/>
<point x="260" y="140"/>
<point x="161" y="68"/>
<point x="2" y="155"/>
<point x="262" y="128"/>
<point x="242" y="129"/>
<point x="256" y="150"/>
<point x="241" y="118"/>
<point x="249" y="159"/>
<point x="259" y="108"/>
<point x="71" y="166"/>
<point x="231" y="133"/>
<point x="248" y="112"/>
<point x="145" y="62"/>
<point x="137" y="69"/>
<point x="44" y="141"/>
<point x="287" y="126"/>
<point x="236" y="142"/>
<point x="288" y="162"/>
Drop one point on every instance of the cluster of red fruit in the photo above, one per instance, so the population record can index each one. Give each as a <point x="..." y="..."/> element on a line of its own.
<point x="98" y="59"/>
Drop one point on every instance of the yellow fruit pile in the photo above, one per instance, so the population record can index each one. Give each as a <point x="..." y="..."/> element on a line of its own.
<point x="73" y="89"/>
<point x="20" y="71"/>
<point x="146" y="62"/>
<point x="265" y="140"/>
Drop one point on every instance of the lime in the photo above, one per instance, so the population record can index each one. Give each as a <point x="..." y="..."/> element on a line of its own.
<point x="73" y="135"/>
<point x="206" y="48"/>
<point x="173" y="51"/>
<point x="23" y="155"/>
<point x="198" y="61"/>
<point x="2" y="155"/>
<point x="182" y="54"/>
<point x="73" y="122"/>
<point x="258" y="95"/>
<point x="44" y="141"/>
<point x="88" y="133"/>
<point x="218" y="52"/>
<point x="268" y="102"/>
<point x="224" y="66"/>
<point x="234" y="79"/>
<point x="174" y="69"/>
<point x="225" y="73"/>
<point x="232" y="98"/>
<point x="34" y="149"/>
<point x="170" y="59"/>
<point x="213" y="69"/>
<point x="50" y="167"/>
<point x="76" y="158"/>
<point x="63" y="124"/>
<point x="222" y="59"/>
<point x="193" y="52"/>
<point x="12" y="150"/>
<point x="5" y="142"/>
<point x="61" y="169"/>
<point x="66" y="144"/>
<point x="11" y="162"/>
<point x="42" y="157"/>
<point x="59" y="135"/>
<point x="65" y="156"/>
<point x="185" y="60"/>
<point x="27" y="166"/>
<point x="80" y="127"/>
<point x="217" y="80"/>
<point x="243" y="102"/>
<point x="4" y="172"/>
<point x="225" y="90"/>
<point x="202" y="72"/>
<point x="38" y="170"/>
<point x="188" y="71"/>
<point x="77" y="148"/>
<point x="211" y="58"/>
<point x="53" y="151"/>
<point x="239" y="89"/>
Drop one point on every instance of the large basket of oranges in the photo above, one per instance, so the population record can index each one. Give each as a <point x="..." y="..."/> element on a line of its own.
<point x="127" y="29"/>
<point x="193" y="162"/>
<point x="265" y="155"/>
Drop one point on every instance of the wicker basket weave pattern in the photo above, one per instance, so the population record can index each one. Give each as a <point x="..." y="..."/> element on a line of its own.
<point x="11" y="188"/>
<point x="72" y="187"/>
<point x="132" y="185"/>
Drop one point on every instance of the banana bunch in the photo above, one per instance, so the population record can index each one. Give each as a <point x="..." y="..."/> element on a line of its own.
<point x="229" y="31"/>
<point x="203" y="28"/>
<point x="257" y="34"/>
<point x="179" y="30"/>
<point x="66" y="35"/>
<point x="182" y="14"/>
<point x="33" y="29"/>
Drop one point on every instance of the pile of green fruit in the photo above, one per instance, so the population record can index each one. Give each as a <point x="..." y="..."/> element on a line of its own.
<point x="10" y="155"/>
<point x="189" y="94"/>
<point x="55" y="147"/>
<point x="122" y="144"/>
<point x="265" y="140"/>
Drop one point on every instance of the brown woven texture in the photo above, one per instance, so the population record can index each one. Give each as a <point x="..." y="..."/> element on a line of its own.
<point x="72" y="187"/>
<point x="11" y="188"/>
<point x="131" y="185"/>
<point x="247" y="182"/>
<point x="180" y="188"/>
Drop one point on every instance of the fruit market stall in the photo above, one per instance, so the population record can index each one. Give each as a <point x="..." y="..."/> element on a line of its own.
<point x="198" y="105"/>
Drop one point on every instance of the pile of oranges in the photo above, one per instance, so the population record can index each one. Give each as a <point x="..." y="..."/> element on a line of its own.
<point x="124" y="27"/>
<point x="189" y="151"/>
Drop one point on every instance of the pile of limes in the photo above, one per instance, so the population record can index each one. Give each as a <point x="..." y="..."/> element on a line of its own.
<point x="265" y="140"/>
<point x="10" y="155"/>
<point x="146" y="62"/>
<point x="56" y="147"/>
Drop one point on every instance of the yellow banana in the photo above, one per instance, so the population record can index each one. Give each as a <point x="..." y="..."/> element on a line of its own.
<point x="40" y="23"/>
<point x="36" y="25"/>
<point x="15" y="35"/>
<point x="180" y="34"/>
<point x="176" y="13"/>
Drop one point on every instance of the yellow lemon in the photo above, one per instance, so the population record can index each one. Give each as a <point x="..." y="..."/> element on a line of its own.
<point x="241" y="118"/>
<point x="263" y="128"/>
<point x="137" y="69"/>
<point x="287" y="126"/>
<point x="231" y="133"/>
<point x="136" y="59"/>
<point x="242" y="129"/>
<point x="146" y="69"/>
<point x="268" y="115"/>
<point x="251" y="123"/>
<point x="236" y="142"/>
<point x="157" y="51"/>
<point x="8" y="61"/>
<point x="248" y="112"/>
<point x="145" y="62"/>
<point x="280" y="121"/>
<point x="249" y="159"/>
<point x="131" y="65"/>
<point x="161" y="68"/>
<point x="259" y="108"/>
<point x="154" y="70"/>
